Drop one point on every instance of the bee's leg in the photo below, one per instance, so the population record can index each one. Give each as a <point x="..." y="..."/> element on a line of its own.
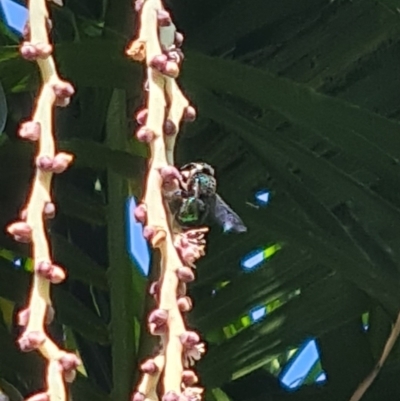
<point x="196" y="188"/>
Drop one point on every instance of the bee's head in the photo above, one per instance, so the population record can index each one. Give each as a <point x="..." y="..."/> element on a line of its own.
<point x="195" y="168"/>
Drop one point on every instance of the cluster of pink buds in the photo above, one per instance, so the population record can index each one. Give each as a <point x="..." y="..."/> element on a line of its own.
<point x="30" y="130"/>
<point x="31" y="340"/>
<point x="55" y="274"/>
<point x="158" y="321"/>
<point x="63" y="91"/>
<point x="190" y="246"/>
<point x="34" y="51"/>
<point x="58" y="164"/>
<point x="68" y="363"/>
<point x="166" y="66"/>
<point x="21" y="231"/>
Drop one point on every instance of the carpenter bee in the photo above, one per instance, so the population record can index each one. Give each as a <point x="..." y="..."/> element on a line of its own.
<point x="197" y="200"/>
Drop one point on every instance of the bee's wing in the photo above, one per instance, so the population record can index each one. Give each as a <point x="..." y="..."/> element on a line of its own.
<point x="226" y="217"/>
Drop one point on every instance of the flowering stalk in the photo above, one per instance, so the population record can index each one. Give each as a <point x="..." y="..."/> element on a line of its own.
<point x="158" y="46"/>
<point x="31" y="226"/>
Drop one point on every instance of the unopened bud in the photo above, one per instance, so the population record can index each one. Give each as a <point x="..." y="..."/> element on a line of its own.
<point x="141" y="116"/>
<point x="145" y="134"/>
<point x="169" y="127"/>
<point x="30" y="130"/>
<point x="189" y="114"/>
<point x="185" y="274"/>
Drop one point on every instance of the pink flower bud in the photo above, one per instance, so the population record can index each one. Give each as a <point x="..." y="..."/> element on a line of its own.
<point x="138" y="5"/>
<point x="138" y="396"/>
<point x="57" y="275"/>
<point x="39" y="397"/>
<point x="141" y="116"/>
<point x="145" y="134"/>
<point x="30" y="341"/>
<point x="188" y="255"/>
<point x="184" y="304"/>
<point x="170" y="396"/>
<point x="163" y="18"/>
<point x="49" y="210"/>
<point x="62" y="101"/>
<point x="69" y="362"/>
<point x="44" y="50"/>
<point x="178" y="39"/>
<point x="189" y="339"/>
<point x="26" y="31"/>
<point x="30" y="130"/>
<point x="149" y="367"/>
<point x="169" y="173"/>
<point x="189" y="378"/>
<point x="171" y="178"/>
<point x="23" y="317"/>
<point x="185" y="274"/>
<point x="50" y="272"/>
<point x="63" y="91"/>
<point x="158" y="321"/>
<point x="69" y="376"/>
<point x="171" y="69"/>
<point x="189" y="114"/>
<point x="158" y="317"/>
<point x="61" y="162"/>
<point x="21" y="231"/>
<point x="28" y="51"/>
<point x="149" y="233"/>
<point x="45" y="163"/>
<point x="159" y="62"/>
<point x="44" y="269"/>
<point x="154" y="288"/>
<point x="181" y="290"/>
<point x="23" y="214"/>
<point x="169" y="127"/>
<point x="140" y="213"/>
<point x="175" y="55"/>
